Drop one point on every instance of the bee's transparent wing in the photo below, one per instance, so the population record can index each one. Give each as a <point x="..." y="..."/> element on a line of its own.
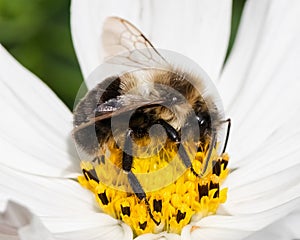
<point x="125" y="45"/>
<point x="116" y="107"/>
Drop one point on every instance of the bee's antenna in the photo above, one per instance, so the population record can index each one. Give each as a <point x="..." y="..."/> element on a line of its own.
<point x="228" y="121"/>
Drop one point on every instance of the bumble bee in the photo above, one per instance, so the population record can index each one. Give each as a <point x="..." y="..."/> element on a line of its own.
<point x="123" y="108"/>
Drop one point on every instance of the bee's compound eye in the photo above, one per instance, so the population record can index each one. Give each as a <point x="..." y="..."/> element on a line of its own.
<point x="204" y="121"/>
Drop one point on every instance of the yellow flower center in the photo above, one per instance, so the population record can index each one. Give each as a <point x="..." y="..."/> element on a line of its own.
<point x="174" y="196"/>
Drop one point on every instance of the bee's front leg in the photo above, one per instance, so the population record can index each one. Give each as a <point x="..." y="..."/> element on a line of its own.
<point x="174" y="136"/>
<point x="133" y="181"/>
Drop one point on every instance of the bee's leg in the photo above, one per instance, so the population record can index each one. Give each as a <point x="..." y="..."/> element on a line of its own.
<point x="210" y="147"/>
<point x="228" y="121"/>
<point x="174" y="136"/>
<point x="213" y="142"/>
<point x="133" y="181"/>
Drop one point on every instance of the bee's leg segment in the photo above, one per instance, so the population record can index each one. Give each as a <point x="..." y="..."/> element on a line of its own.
<point x="210" y="147"/>
<point x="174" y="136"/>
<point x="133" y="181"/>
<point x="228" y="121"/>
<point x="171" y="132"/>
<point x="140" y="193"/>
<point x="186" y="160"/>
<point x="127" y="152"/>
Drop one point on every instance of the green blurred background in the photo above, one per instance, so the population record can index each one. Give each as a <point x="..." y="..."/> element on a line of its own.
<point x="37" y="34"/>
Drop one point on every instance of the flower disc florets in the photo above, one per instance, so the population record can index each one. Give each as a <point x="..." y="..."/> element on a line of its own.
<point x="187" y="198"/>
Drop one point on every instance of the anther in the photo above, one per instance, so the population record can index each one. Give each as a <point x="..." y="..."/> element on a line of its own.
<point x="180" y="216"/>
<point x="225" y="163"/>
<point x="202" y="190"/>
<point x="216" y="167"/>
<point x="90" y="175"/>
<point x="214" y="186"/>
<point x="157" y="205"/>
<point x="150" y="213"/>
<point x="143" y="225"/>
<point x="103" y="198"/>
<point x="125" y="210"/>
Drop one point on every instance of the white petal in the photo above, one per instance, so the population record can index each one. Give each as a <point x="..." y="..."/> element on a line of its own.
<point x="8" y="237"/>
<point x="260" y="83"/>
<point x="46" y="196"/>
<point x="272" y="170"/>
<point x="100" y="232"/>
<point x="52" y="199"/>
<point x="212" y="234"/>
<point x="236" y="227"/>
<point x="62" y="205"/>
<point x="284" y="229"/>
<point x="291" y="224"/>
<point x="160" y="236"/>
<point x="279" y="153"/>
<point x="197" y="29"/>
<point x="35" y="126"/>
<point x="28" y="227"/>
<point x="22" y="224"/>
<point x="241" y="201"/>
<point x="281" y="144"/>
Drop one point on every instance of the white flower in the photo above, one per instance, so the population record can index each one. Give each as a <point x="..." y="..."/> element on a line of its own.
<point x="259" y="84"/>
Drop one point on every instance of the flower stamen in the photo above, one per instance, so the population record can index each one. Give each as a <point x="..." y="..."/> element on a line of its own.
<point x="188" y="198"/>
